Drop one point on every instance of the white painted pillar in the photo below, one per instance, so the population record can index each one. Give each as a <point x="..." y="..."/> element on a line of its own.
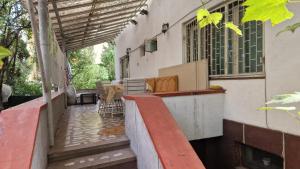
<point x="117" y="65"/>
<point x="44" y="46"/>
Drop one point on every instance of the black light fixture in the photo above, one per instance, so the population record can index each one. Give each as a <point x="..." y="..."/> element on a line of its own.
<point x="165" y="27"/>
<point x="133" y="21"/>
<point x="144" y="12"/>
<point x="128" y="51"/>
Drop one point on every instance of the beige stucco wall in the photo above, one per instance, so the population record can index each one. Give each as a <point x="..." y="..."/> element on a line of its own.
<point x="243" y="97"/>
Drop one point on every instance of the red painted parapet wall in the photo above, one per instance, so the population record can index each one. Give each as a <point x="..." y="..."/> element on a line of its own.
<point x="18" y="130"/>
<point x="172" y="147"/>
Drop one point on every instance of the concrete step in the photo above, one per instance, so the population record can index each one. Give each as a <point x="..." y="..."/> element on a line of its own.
<point x="115" y="159"/>
<point x="58" y="154"/>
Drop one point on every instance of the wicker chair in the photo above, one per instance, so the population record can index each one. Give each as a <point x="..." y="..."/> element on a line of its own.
<point x="111" y="106"/>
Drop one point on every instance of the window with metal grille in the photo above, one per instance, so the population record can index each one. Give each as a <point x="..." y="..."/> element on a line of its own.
<point x="228" y="53"/>
<point x="233" y="54"/>
<point x="124" y="61"/>
<point x="192" y="44"/>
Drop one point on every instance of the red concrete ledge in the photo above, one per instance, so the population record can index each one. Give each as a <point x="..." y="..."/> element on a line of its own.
<point x="171" y="145"/>
<point x="18" y="129"/>
<point x="189" y="93"/>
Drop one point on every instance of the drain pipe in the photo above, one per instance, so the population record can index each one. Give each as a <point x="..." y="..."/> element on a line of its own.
<point x="42" y="43"/>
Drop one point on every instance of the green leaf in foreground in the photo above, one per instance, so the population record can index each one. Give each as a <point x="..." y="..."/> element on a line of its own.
<point x="291" y="28"/>
<point x="233" y="27"/>
<point x="3" y="53"/>
<point x="285" y="98"/>
<point x="205" y="18"/>
<point x="277" y="108"/>
<point x="263" y="10"/>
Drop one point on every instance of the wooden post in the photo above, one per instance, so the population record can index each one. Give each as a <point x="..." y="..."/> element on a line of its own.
<point x="42" y="43"/>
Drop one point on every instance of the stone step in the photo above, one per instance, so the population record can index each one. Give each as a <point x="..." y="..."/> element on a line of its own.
<point x="115" y="159"/>
<point x="58" y="154"/>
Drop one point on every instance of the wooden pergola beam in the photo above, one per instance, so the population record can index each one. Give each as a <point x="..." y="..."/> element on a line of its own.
<point x="80" y="5"/>
<point x="99" y="9"/>
<point x="95" y="33"/>
<point x="95" y="24"/>
<point x="94" y="37"/>
<point x="59" y="23"/>
<point x="94" y="28"/>
<point x="124" y="14"/>
<point x="91" y="32"/>
<point x="49" y="1"/>
<point x="90" y="43"/>
<point x="89" y="20"/>
<point x="72" y="20"/>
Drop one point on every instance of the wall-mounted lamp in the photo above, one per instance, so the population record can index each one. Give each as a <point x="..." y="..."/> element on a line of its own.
<point x="133" y="21"/>
<point x="128" y="51"/>
<point x="144" y="12"/>
<point x="165" y="27"/>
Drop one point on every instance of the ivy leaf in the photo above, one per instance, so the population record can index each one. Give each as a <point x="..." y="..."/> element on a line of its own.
<point x="201" y="13"/>
<point x="205" y="18"/>
<point x="273" y="10"/>
<point x="291" y="28"/>
<point x="233" y="27"/>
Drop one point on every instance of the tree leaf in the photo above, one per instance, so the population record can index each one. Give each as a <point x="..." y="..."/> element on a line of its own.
<point x="201" y="13"/>
<point x="205" y="18"/>
<point x="285" y="98"/>
<point x="277" y="108"/>
<point x="216" y="17"/>
<point x="265" y="108"/>
<point x="291" y="28"/>
<point x="233" y="27"/>
<point x="4" y="52"/>
<point x="273" y="10"/>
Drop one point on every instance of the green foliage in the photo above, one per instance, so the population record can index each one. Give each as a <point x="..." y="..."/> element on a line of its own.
<point x="3" y="53"/>
<point x="31" y="88"/>
<point x="22" y="86"/>
<point x="256" y="10"/>
<point x="273" y="10"/>
<point x="89" y="76"/>
<point x="204" y="18"/>
<point x="285" y="98"/>
<point x="233" y="27"/>
<point x="290" y="108"/>
<point x="84" y="72"/>
<point x="108" y="61"/>
<point x="291" y="28"/>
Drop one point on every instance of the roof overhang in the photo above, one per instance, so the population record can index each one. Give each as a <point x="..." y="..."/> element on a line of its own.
<point x="82" y="23"/>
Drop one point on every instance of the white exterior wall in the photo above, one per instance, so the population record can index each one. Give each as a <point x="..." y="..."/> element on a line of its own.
<point x="140" y="141"/>
<point x="243" y="97"/>
<point x="39" y="159"/>
<point x="200" y="117"/>
<point x="169" y="45"/>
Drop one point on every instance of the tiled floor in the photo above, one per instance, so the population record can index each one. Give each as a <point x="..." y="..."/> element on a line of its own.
<point x="82" y="125"/>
